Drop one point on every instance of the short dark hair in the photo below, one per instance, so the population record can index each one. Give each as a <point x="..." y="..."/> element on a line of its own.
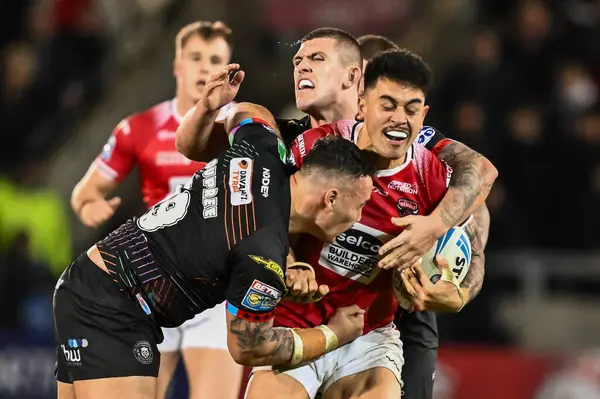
<point x="336" y="155"/>
<point x="373" y="45"/>
<point x="207" y="30"/>
<point x="399" y="66"/>
<point x="345" y="40"/>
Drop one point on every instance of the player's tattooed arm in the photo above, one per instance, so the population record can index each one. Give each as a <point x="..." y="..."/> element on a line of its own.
<point x="257" y="344"/>
<point x="477" y="230"/>
<point x="472" y="179"/>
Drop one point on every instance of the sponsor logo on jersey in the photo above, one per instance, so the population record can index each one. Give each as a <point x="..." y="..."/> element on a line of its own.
<point x="407" y="207"/>
<point x="281" y="150"/>
<point x="449" y="171"/>
<point x="210" y="201"/>
<point x="266" y="181"/>
<point x="425" y="135"/>
<point x="378" y="191"/>
<point x="261" y="297"/>
<point x="240" y="181"/>
<point x="269" y="265"/>
<point x="408" y="188"/>
<point x="164" y="135"/>
<point x="166" y="158"/>
<point x="354" y="254"/>
<point x="301" y="145"/>
<point x="108" y="149"/>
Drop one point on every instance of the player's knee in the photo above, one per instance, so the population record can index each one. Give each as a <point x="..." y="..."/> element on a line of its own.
<point x="249" y="110"/>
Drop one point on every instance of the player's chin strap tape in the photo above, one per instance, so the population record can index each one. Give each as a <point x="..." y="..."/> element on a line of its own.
<point x="448" y="275"/>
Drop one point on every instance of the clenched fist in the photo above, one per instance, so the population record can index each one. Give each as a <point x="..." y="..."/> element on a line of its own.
<point x="347" y="323"/>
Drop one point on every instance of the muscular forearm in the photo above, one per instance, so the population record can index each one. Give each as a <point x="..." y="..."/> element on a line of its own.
<point x="194" y="132"/>
<point x="477" y="230"/>
<point x="472" y="179"/>
<point x="260" y="344"/>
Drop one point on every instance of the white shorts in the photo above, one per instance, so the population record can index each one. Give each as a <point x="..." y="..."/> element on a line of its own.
<point x="378" y="348"/>
<point x="206" y="330"/>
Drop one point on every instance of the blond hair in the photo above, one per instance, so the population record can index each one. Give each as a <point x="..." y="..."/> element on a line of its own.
<point x="206" y="30"/>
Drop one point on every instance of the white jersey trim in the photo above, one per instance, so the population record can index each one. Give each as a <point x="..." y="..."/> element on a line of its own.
<point x="174" y="111"/>
<point x="106" y="170"/>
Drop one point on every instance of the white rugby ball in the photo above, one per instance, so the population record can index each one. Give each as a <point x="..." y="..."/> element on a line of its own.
<point x="455" y="247"/>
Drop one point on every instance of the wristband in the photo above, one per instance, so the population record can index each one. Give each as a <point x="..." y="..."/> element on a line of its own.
<point x="298" y="348"/>
<point x="331" y="340"/>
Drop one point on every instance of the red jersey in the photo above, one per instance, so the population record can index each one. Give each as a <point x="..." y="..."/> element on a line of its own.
<point x="349" y="264"/>
<point x="147" y="139"/>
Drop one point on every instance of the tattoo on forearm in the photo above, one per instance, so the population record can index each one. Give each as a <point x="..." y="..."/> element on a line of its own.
<point x="474" y="278"/>
<point x="466" y="184"/>
<point x="273" y="345"/>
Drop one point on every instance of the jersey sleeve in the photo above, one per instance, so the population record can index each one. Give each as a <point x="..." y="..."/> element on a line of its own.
<point x="118" y="156"/>
<point x="438" y="181"/>
<point x="432" y="139"/>
<point x="257" y="269"/>
<point x="304" y="142"/>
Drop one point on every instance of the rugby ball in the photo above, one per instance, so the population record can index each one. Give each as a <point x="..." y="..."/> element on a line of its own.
<point x="455" y="247"/>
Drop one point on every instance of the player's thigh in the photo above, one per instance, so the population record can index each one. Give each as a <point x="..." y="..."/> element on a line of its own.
<point x="168" y="364"/>
<point x="376" y="383"/>
<point x="116" y="388"/>
<point x="418" y="373"/>
<point x="212" y="373"/>
<point x="274" y="385"/>
<point x="65" y="391"/>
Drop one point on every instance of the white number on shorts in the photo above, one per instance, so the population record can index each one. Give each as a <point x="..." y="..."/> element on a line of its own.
<point x="166" y="213"/>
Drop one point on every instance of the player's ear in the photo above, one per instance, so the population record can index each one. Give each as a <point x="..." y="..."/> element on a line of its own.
<point x="425" y="111"/>
<point x="361" y="108"/>
<point x="354" y="77"/>
<point x="330" y="198"/>
<point x="175" y="68"/>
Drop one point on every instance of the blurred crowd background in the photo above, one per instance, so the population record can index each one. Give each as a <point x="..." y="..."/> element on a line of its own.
<point x="517" y="80"/>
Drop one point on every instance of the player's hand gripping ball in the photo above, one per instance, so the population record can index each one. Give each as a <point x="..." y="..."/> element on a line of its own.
<point x="455" y="247"/>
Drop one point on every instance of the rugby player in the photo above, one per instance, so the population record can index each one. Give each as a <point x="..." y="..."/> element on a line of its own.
<point x="419" y="329"/>
<point x="147" y="139"/>
<point x="394" y="108"/>
<point x="224" y="235"/>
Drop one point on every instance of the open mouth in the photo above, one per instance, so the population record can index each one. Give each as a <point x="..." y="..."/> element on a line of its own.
<point x="201" y="82"/>
<point x="396" y="135"/>
<point x="305" y="84"/>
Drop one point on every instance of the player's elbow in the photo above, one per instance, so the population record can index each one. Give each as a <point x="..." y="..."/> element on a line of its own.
<point x="183" y="145"/>
<point x="488" y="171"/>
<point x="244" y="357"/>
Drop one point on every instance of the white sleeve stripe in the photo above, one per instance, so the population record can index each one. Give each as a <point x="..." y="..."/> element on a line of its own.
<point x="106" y="170"/>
